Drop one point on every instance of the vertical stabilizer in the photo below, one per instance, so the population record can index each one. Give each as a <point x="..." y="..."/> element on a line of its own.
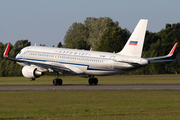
<point x="135" y="43"/>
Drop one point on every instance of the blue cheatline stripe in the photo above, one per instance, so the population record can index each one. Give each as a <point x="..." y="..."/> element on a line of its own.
<point x="134" y="42"/>
<point x="65" y="63"/>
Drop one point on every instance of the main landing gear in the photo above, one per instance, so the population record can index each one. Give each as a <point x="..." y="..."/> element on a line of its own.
<point x="93" y="81"/>
<point x="57" y="81"/>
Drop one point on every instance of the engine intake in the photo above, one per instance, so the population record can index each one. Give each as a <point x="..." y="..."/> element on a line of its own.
<point x="31" y="72"/>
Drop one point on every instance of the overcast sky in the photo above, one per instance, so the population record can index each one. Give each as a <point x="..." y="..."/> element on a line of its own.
<point x="46" y="21"/>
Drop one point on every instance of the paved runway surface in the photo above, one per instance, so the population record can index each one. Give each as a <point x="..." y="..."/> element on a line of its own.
<point x="88" y="87"/>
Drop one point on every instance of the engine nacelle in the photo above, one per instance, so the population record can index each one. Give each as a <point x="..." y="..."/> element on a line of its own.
<point x="31" y="72"/>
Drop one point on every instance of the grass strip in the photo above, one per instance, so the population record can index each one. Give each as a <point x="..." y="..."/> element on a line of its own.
<point x="116" y="79"/>
<point x="88" y="105"/>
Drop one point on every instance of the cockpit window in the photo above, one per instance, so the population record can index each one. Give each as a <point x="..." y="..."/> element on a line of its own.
<point x="20" y="52"/>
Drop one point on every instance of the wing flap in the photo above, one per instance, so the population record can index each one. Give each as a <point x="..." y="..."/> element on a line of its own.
<point x="75" y="70"/>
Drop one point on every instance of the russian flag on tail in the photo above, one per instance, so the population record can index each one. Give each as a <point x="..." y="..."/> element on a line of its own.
<point x="133" y="42"/>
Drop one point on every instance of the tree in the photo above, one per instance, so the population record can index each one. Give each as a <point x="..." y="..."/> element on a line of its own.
<point x="82" y="44"/>
<point x="59" y="44"/>
<point x="42" y="45"/>
<point x="18" y="46"/>
<point x="7" y="67"/>
<point x="160" y="44"/>
<point x="96" y="27"/>
<point x="90" y="32"/>
<point x="77" y="32"/>
<point x="113" y="39"/>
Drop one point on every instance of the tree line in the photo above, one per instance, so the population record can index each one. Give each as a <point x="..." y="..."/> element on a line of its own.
<point x="104" y="34"/>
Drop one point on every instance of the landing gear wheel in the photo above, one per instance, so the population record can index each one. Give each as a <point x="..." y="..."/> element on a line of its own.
<point x="93" y="81"/>
<point x="33" y="79"/>
<point x="57" y="82"/>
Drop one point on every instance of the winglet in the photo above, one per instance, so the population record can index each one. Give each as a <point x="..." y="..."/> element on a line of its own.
<point x="155" y="59"/>
<point x="173" y="49"/>
<point x="7" y="50"/>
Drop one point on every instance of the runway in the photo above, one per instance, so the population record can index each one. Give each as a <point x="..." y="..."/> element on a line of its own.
<point x="101" y="87"/>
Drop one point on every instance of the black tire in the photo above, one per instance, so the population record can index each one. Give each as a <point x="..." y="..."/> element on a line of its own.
<point x="91" y="81"/>
<point x="59" y="82"/>
<point x="95" y="81"/>
<point x="33" y="79"/>
<point x="55" y="82"/>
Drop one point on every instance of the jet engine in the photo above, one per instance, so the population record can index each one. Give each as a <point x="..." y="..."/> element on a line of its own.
<point x="31" y="72"/>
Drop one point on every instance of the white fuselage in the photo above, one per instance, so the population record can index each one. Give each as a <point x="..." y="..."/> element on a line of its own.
<point x="80" y="61"/>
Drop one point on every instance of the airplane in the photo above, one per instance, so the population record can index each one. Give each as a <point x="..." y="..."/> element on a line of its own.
<point x="86" y="63"/>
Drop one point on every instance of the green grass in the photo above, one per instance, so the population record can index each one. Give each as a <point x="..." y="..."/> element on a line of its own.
<point x="90" y="105"/>
<point x="117" y="79"/>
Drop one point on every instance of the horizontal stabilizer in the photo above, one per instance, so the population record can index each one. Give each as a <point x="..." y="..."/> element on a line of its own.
<point x="156" y="61"/>
<point x="162" y="57"/>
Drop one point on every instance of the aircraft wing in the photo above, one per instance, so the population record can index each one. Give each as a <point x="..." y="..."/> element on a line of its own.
<point x="157" y="59"/>
<point x="48" y="65"/>
<point x="43" y="66"/>
<point x="6" y="52"/>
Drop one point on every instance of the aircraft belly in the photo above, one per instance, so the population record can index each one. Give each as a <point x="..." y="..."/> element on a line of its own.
<point x="102" y="73"/>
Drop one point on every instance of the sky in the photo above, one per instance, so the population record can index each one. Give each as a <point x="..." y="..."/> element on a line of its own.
<point x="46" y="21"/>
